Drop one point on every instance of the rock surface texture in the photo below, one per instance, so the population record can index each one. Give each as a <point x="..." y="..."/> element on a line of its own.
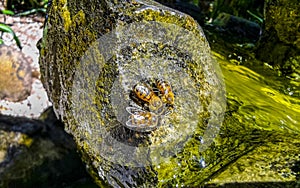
<point x="94" y="54"/>
<point x="136" y="87"/>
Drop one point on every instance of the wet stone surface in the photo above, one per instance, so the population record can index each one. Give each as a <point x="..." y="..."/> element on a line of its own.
<point x="91" y="88"/>
<point x="140" y="61"/>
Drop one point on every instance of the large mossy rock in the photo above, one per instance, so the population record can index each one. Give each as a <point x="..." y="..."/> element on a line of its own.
<point x="92" y="55"/>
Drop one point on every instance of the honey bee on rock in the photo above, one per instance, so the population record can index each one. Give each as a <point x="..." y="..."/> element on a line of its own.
<point x="140" y="120"/>
<point x="145" y="93"/>
<point x="151" y="105"/>
<point x="165" y="90"/>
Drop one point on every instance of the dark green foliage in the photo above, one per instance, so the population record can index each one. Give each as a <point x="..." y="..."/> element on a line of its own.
<point x="25" y="5"/>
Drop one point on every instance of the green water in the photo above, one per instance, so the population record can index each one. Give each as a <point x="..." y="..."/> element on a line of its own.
<point x="262" y="101"/>
<point x="263" y="115"/>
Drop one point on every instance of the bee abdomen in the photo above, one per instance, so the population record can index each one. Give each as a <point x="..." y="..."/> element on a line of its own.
<point x="143" y="92"/>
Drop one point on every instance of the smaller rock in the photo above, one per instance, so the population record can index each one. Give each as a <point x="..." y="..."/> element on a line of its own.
<point x="238" y="29"/>
<point x="15" y="75"/>
<point x="39" y="153"/>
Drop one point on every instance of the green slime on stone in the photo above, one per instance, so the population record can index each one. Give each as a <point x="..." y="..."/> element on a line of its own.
<point x="88" y="63"/>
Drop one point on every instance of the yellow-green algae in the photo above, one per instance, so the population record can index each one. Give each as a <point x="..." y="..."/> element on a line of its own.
<point x="238" y="137"/>
<point x="257" y="143"/>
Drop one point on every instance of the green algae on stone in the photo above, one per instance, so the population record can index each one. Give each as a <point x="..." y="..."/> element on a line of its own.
<point x="92" y="57"/>
<point x="89" y="87"/>
<point x="135" y="62"/>
<point x="266" y="163"/>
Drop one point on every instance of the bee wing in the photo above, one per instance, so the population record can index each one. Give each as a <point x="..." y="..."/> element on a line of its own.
<point x="139" y="122"/>
<point x="133" y="110"/>
<point x="153" y="121"/>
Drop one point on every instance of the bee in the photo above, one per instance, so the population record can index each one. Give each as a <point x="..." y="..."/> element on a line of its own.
<point x="165" y="90"/>
<point x="145" y="93"/>
<point x="140" y="120"/>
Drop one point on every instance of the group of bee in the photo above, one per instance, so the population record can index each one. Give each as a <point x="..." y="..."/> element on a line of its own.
<point x="152" y="100"/>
